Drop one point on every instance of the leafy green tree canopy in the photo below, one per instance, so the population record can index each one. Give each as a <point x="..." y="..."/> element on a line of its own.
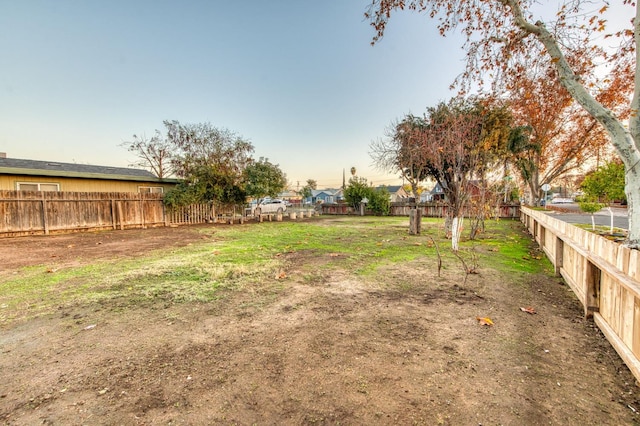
<point x="359" y="189"/>
<point x="211" y="161"/>
<point x="605" y="184"/>
<point x="264" y="179"/>
<point x="306" y="191"/>
<point x="202" y="144"/>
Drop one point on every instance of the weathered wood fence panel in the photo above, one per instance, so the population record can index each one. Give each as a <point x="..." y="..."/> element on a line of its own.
<point x="603" y="274"/>
<point x="32" y="213"/>
<point x="189" y="215"/>
<point x="27" y="213"/>
<point x="511" y="211"/>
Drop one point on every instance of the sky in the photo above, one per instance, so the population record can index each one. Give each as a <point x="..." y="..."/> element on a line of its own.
<point x="297" y="78"/>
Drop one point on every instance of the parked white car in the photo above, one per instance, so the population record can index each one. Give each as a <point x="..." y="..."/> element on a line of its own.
<point x="560" y="200"/>
<point x="267" y="206"/>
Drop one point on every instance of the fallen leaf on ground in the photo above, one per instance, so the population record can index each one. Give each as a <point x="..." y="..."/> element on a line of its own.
<point x="281" y="275"/>
<point x="528" y="310"/>
<point x="484" y="321"/>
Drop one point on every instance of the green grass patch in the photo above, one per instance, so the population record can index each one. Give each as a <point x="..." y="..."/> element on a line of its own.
<point x="507" y="247"/>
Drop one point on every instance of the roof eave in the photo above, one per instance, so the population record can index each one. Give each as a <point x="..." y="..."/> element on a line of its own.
<point x="79" y="175"/>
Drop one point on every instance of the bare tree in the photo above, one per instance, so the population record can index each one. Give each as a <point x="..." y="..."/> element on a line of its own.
<point x="399" y="151"/>
<point x="155" y="154"/>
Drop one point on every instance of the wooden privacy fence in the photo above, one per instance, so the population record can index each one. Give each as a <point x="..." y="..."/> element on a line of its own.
<point x="505" y="211"/>
<point x="604" y="275"/>
<point x="44" y="212"/>
<point x="35" y="212"/>
<point x="190" y="215"/>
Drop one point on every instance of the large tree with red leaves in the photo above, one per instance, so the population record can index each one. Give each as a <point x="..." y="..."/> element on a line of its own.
<point x="502" y="34"/>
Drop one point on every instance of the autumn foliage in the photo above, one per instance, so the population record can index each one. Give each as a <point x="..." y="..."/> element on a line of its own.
<point x="575" y="47"/>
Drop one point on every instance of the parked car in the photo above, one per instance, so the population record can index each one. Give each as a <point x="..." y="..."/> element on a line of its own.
<point x="561" y="200"/>
<point x="268" y="205"/>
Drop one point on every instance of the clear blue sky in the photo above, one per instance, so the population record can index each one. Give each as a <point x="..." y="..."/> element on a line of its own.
<point x="298" y="78"/>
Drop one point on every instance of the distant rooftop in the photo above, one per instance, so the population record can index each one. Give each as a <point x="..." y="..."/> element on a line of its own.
<point x="55" y="168"/>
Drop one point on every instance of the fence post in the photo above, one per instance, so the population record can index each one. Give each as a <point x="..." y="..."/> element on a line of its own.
<point x="592" y="293"/>
<point x="113" y="214"/>
<point x="45" y="219"/>
<point x="414" y="222"/>
<point x="164" y="213"/>
<point x="120" y="215"/>
<point x="559" y="251"/>
<point x="142" y="224"/>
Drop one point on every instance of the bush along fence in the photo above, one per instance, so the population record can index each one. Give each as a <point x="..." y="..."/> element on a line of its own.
<point x="604" y="275"/>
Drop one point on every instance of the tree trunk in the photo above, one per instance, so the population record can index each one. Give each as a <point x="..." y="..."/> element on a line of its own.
<point x="632" y="189"/>
<point x="625" y="141"/>
<point x="535" y="198"/>
<point x="448" y="220"/>
<point x="414" y="189"/>
<point x="456" y="230"/>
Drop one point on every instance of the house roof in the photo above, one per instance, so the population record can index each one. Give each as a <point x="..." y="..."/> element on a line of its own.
<point x="437" y="189"/>
<point x="391" y="188"/>
<point x="16" y="166"/>
<point x="288" y="194"/>
<point x="330" y="191"/>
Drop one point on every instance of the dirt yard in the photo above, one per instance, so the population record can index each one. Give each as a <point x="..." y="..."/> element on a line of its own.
<point x="329" y="351"/>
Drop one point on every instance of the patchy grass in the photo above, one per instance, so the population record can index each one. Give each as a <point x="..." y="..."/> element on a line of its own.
<point x="236" y="258"/>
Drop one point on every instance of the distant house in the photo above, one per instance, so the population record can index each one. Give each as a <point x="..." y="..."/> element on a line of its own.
<point x="437" y="194"/>
<point x="474" y="188"/>
<point x="325" y="196"/>
<point x="426" y="197"/>
<point x="396" y="193"/>
<point x="31" y="175"/>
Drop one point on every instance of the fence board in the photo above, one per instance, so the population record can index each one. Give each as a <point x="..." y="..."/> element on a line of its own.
<point x="634" y="264"/>
<point x="635" y="347"/>
<point x="604" y="277"/>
